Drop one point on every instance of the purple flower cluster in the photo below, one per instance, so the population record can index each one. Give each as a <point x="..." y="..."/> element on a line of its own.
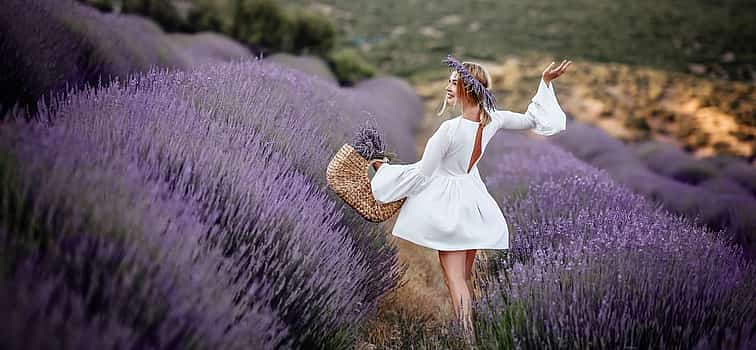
<point x="718" y="193"/>
<point x="472" y="84"/>
<point x="595" y="265"/>
<point x="210" y="185"/>
<point x="368" y="143"/>
<point x="96" y="250"/>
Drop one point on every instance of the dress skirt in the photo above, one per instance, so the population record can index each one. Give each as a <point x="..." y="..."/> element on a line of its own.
<point x="450" y="212"/>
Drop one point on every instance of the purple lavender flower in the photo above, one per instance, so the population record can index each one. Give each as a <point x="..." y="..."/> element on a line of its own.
<point x="670" y="177"/>
<point x="595" y="265"/>
<point x="368" y="143"/>
<point x="216" y="174"/>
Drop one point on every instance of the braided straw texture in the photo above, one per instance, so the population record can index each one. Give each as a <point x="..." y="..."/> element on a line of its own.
<point x="347" y="176"/>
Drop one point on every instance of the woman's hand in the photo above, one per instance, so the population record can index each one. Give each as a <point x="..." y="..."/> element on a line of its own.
<point x="376" y="163"/>
<point x="550" y="74"/>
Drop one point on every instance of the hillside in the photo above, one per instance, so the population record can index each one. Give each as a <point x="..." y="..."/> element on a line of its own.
<point x="409" y="36"/>
<point x="681" y="72"/>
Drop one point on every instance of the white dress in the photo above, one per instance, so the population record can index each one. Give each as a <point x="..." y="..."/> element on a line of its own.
<point x="447" y="208"/>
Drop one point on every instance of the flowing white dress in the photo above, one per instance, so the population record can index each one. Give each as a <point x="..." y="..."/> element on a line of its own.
<point x="446" y="207"/>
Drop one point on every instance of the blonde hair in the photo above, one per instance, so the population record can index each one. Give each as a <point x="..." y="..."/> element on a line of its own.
<point x="465" y="97"/>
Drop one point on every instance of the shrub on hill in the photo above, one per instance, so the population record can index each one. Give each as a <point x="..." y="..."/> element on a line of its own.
<point x="163" y="12"/>
<point x="50" y="46"/>
<point x="349" y="66"/>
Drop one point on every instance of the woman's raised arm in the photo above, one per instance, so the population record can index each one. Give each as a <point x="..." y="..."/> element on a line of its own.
<point x="544" y="116"/>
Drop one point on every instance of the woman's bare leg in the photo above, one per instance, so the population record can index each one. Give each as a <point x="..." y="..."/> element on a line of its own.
<point x="446" y="275"/>
<point x="453" y="264"/>
<point x="469" y="264"/>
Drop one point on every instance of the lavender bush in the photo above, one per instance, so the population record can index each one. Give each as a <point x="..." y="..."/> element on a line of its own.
<point x="141" y="276"/>
<point x="718" y="210"/>
<point x="228" y="160"/>
<point x="207" y="47"/>
<point x="91" y="292"/>
<point x="670" y="161"/>
<point x="736" y="169"/>
<point x="306" y="63"/>
<point x="50" y="46"/>
<point x="390" y="96"/>
<point x="595" y="265"/>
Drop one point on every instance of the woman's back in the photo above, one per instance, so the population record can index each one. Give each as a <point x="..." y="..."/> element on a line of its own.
<point x="462" y="147"/>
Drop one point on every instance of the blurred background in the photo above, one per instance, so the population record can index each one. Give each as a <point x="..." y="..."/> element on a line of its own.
<point x="678" y="72"/>
<point x="660" y="97"/>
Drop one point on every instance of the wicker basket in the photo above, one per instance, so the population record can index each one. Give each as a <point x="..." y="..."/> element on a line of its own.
<point x="347" y="176"/>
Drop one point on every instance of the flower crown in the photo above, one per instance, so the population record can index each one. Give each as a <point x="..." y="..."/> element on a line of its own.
<point x="471" y="84"/>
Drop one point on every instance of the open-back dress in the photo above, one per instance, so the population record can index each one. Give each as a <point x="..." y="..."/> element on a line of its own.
<point x="448" y="206"/>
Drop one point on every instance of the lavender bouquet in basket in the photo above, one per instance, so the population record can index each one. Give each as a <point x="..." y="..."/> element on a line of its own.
<point x="348" y="177"/>
<point x="368" y="142"/>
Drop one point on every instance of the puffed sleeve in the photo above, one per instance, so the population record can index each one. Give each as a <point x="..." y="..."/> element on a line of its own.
<point x="392" y="182"/>
<point x="544" y="115"/>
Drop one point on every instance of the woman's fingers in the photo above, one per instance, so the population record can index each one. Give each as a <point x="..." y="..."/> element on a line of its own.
<point x="561" y="68"/>
<point x="552" y="73"/>
<point x="557" y="68"/>
<point x="548" y="69"/>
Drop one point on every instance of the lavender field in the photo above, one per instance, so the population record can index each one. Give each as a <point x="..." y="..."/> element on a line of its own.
<point x="201" y="196"/>
<point x="167" y="191"/>
<point x="719" y="191"/>
<point x="595" y="265"/>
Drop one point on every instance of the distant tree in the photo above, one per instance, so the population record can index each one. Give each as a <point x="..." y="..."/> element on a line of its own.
<point x="262" y="23"/>
<point x="102" y="5"/>
<point x="313" y="33"/>
<point x="205" y="15"/>
<point x="161" y="11"/>
<point x="349" y="66"/>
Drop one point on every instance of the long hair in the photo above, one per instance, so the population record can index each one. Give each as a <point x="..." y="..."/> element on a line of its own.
<point x="465" y="97"/>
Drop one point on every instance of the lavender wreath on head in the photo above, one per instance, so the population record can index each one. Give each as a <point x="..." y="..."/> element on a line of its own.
<point x="471" y="84"/>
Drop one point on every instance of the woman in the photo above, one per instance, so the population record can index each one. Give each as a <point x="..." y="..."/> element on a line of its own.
<point x="448" y="207"/>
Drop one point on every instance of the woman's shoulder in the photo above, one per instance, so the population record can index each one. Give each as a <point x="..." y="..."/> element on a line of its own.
<point x="446" y="124"/>
<point x="444" y="128"/>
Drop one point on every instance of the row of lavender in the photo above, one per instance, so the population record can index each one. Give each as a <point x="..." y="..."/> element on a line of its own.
<point x="595" y="265"/>
<point x="48" y="46"/>
<point x="720" y="191"/>
<point x="190" y="210"/>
